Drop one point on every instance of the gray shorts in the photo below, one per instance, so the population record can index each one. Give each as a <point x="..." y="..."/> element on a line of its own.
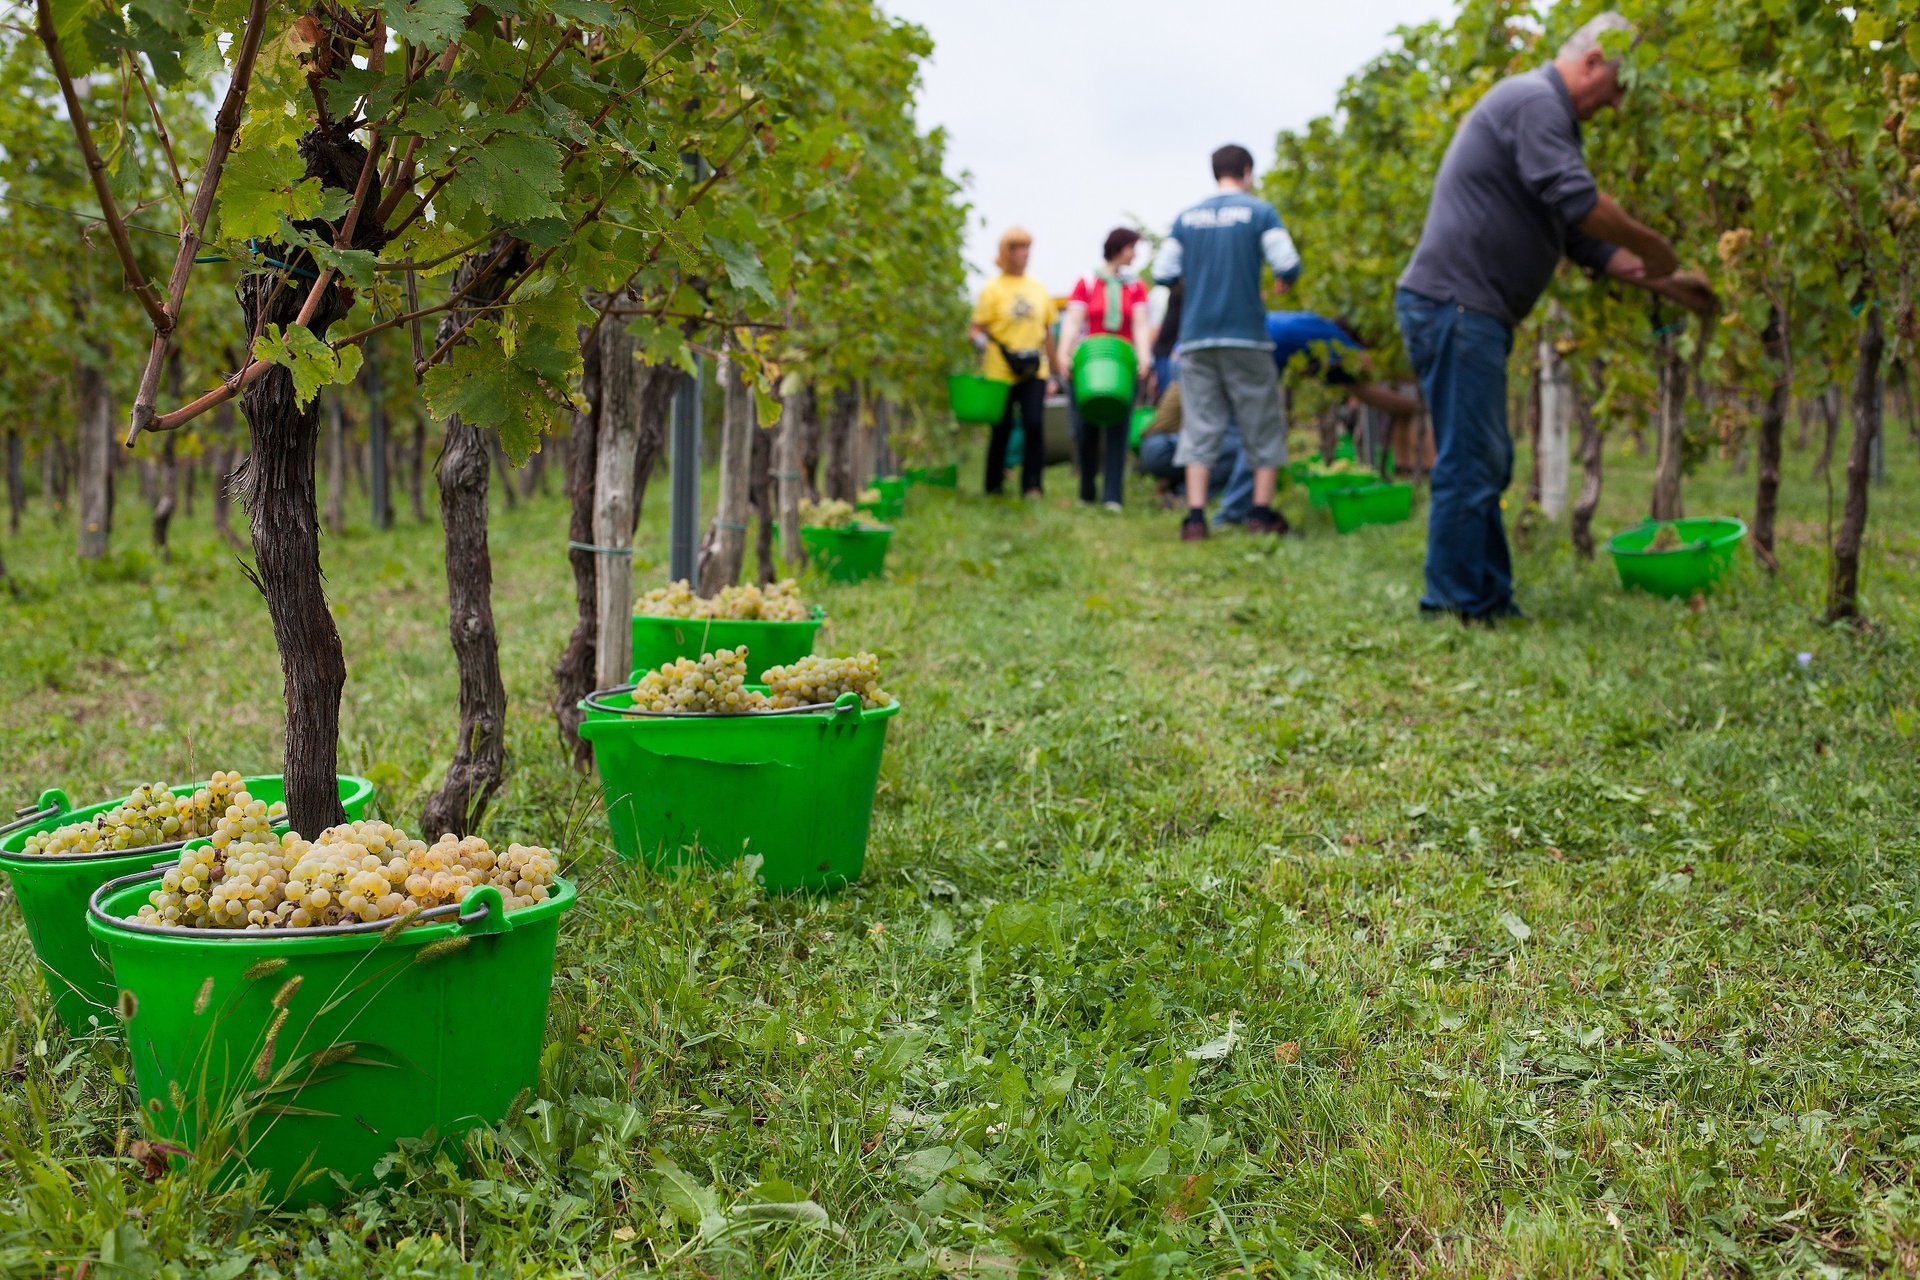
<point x="1219" y="385"/>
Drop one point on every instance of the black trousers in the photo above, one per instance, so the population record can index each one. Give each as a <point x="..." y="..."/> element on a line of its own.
<point x="1101" y="452"/>
<point x="1030" y="400"/>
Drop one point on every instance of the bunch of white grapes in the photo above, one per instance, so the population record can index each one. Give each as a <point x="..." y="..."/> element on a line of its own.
<point x="867" y="495"/>
<point x="357" y="873"/>
<point x="829" y="513"/>
<point x="779" y="602"/>
<point x="715" y="682"/>
<point x="814" y="680"/>
<point x="154" y="815"/>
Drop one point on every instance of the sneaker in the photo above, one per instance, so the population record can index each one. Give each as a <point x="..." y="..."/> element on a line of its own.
<point x="1275" y="524"/>
<point x="1112" y="506"/>
<point x="1193" y="529"/>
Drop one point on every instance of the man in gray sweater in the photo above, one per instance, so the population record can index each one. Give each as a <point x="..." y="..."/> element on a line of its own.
<point x="1513" y="197"/>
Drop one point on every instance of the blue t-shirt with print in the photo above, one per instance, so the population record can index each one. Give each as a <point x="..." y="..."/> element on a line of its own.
<point x="1218" y="247"/>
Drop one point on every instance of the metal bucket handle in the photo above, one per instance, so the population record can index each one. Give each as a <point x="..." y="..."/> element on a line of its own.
<point x="53" y="802"/>
<point x="489" y="915"/>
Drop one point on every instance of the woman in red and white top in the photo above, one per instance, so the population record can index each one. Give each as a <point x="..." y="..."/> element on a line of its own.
<point x="1107" y="302"/>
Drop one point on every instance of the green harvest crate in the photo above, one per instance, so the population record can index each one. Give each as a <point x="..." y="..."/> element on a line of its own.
<point x="852" y="554"/>
<point x="52" y="893"/>
<point x="1704" y="555"/>
<point x="794" y="788"/>
<point x="1367" y="504"/>
<point x="385" y="1035"/>
<point x="947" y="477"/>
<point x="658" y="641"/>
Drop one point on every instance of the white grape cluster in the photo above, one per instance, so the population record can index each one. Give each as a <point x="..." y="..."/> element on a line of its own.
<point x="867" y="495"/>
<point x="779" y="602"/>
<point x="154" y="815"/>
<point x="814" y="680"/>
<point x="829" y="513"/>
<point x="357" y="873"/>
<point x="715" y="682"/>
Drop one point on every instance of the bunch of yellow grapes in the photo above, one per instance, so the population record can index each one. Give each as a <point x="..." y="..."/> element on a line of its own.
<point x="360" y="872"/>
<point x="829" y="513"/>
<point x="715" y="682"/>
<point x="154" y="815"/>
<point x="814" y="680"/>
<point x="779" y="602"/>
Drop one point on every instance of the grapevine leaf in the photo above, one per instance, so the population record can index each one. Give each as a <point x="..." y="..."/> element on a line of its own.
<point x="514" y="178"/>
<point x="743" y="267"/>
<point x="431" y="24"/>
<point x="312" y="362"/>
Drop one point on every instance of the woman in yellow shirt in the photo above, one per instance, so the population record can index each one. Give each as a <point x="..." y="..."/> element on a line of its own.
<point x="1013" y="327"/>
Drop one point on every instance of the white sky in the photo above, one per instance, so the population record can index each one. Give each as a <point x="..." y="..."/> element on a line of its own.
<point x="1074" y="117"/>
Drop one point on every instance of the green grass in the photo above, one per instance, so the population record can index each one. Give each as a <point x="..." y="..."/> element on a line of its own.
<point x="1220" y="915"/>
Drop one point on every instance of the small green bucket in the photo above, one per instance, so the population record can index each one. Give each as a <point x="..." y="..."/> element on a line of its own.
<point x="795" y="788"/>
<point x="52" y="893"/>
<point x="1103" y="379"/>
<point x="853" y="554"/>
<point x="1366" y="504"/>
<point x="1321" y="485"/>
<point x="1705" y="553"/>
<point x="947" y="477"/>
<point x="385" y="1037"/>
<point x="883" y="509"/>
<point x="658" y="641"/>
<point x="1137" y="429"/>
<point x="892" y="488"/>
<point x="977" y="400"/>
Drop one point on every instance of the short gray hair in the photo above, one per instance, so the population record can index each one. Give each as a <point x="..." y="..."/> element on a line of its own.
<point x="1587" y="38"/>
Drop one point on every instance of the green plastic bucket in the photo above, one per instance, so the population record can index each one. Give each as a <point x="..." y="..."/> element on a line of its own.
<point x="947" y="477"/>
<point x="383" y="1040"/>
<point x="852" y="554"/>
<point x="52" y="893"/>
<point x="1103" y="378"/>
<point x="794" y="788"/>
<point x="1137" y="429"/>
<point x="658" y="641"/>
<point x="1366" y="504"/>
<point x="977" y="400"/>
<point x="1321" y="485"/>
<point x="893" y="488"/>
<point x="883" y="509"/>
<point x="1705" y="552"/>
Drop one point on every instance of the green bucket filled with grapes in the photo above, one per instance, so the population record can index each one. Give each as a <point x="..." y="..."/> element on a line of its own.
<point x="57" y="855"/>
<point x="773" y="621"/>
<point x="697" y="765"/>
<point x="307" y="1052"/>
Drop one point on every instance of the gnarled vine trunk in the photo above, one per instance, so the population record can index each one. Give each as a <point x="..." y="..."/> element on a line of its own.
<point x="416" y="468"/>
<point x="93" y="411"/>
<point x="635" y="401"/>
<point x="16" y="483"/>
<point x="1666" y="503"/>
<point x="336" y="461"/>
<point x="573" y="674"/>
<point x="760" y="498"/>
<point x="724" y="549"/>
<point x="790" y="473"/>
<point x="1843" y="584"/>
<point x="379" y="451"/>
<point x="1592" y="456"/>
<point x="277" y="488"/>
<point x="1773" y="422"/>
<point x="166" y="491"/>
<point x="480" y="749"/>
<point x="841" y="417"/>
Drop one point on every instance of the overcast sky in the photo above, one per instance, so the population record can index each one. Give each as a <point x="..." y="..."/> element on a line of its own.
<point x="1073" y="117"/>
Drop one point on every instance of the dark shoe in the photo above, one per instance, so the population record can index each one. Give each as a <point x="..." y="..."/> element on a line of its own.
<point x="1275" y="524"/>
<point x="1193" y="529"/>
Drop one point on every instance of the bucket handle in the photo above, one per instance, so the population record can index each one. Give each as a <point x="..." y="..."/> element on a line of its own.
<point x="592" y="702"/>
<point x="489" y="915"/>
<point x="53" y="802"/>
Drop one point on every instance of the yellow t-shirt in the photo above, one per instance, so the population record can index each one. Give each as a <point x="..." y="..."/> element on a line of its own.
<point x="1016" y="312"/>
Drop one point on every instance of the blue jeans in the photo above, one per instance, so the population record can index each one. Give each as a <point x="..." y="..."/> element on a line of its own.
<point x="1156" y="460"/>
<point x="1236" y="503"/>
<point x="1460" y="357"/>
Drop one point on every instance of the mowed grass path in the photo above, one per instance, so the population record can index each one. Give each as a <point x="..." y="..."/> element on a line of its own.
<point x="1221" y="916"/>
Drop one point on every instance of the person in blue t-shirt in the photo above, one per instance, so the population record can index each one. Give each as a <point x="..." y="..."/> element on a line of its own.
<point x="1219" y="250"/>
